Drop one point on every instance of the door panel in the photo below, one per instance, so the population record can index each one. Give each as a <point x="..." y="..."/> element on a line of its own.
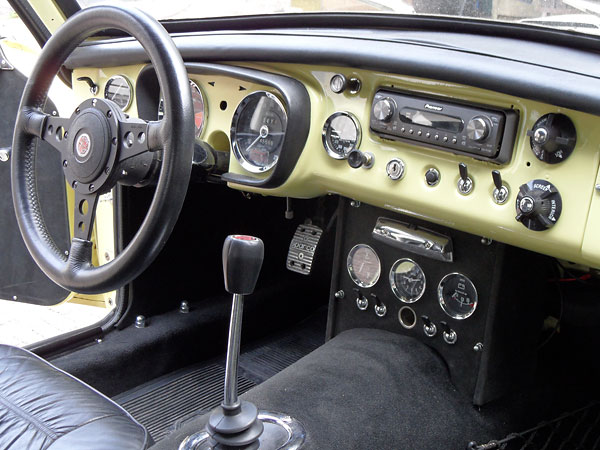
<point x="20" y="278"/>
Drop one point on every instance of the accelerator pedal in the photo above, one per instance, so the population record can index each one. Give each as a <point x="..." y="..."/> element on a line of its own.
<point x="303" y="247"/>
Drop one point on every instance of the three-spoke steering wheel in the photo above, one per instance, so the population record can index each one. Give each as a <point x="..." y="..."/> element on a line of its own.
<point x="99" y="147"/>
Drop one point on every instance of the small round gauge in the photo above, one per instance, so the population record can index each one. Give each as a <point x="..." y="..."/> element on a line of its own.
<point x="258" y="130"/>
<point x="457" y="296"/>
<point x="341" y="134"/>
<point x="199" y="108"/>
<point x="407" y="280"/>
<point x="363" y="265"/>
<point x="119" y="90"/>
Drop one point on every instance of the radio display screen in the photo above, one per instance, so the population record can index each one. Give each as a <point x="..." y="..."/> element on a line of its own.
<point x="432" y="120"/>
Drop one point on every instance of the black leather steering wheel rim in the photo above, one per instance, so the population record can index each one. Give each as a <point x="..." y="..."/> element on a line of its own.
<point x="175" y="133"/>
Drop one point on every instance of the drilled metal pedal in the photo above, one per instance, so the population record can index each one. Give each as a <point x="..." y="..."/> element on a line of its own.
<point x="302" y="248"/>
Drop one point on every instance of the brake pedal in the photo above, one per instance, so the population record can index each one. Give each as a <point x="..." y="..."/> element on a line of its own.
<point x="302" y="248"/>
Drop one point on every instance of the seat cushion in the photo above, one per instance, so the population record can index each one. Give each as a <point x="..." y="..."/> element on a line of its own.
<point x="42" y="407"/>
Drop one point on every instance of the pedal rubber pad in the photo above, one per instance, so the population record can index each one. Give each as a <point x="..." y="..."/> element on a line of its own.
<point x="302" y="248"/>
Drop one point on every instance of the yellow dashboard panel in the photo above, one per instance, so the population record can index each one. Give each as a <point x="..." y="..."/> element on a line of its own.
<point x="316" y="173"/>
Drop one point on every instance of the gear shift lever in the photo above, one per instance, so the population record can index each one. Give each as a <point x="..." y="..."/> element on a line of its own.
<point x="237" y="424"/>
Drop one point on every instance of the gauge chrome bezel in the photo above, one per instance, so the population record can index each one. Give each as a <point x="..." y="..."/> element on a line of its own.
<point x="442" y="301"/>
<point x="350" y="267"/>
<point x="194" y="85"/>
<point x="331" y="152"/>
<point x="247" y="165"/>
<point x="129" y="87"/>
<point x="394" y="287"/>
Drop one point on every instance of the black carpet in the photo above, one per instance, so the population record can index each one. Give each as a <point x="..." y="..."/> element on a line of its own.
<point x="369" y="389"/>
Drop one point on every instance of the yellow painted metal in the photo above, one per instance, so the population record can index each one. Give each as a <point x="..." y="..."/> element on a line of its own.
<point x="573" y="238"/>
<point x="49" y="13"/>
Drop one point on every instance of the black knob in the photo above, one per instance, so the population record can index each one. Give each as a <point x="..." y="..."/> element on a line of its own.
<point x="432" y="176"/>
<point x="539" y="205"/>
<point x="552" y="138"/>
<point x="242" y="259"/>
<point x="357" y="159"/>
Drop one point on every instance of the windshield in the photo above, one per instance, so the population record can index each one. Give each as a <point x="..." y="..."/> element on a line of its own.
<point x="575" y="15"/>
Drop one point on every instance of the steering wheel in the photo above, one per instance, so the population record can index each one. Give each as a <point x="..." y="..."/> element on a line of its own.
<point x="99" y="147"/>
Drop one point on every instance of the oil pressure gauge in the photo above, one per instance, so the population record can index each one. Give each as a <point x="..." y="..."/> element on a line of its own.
<point x="457" y="296"/>
<point x="341" y="134"/>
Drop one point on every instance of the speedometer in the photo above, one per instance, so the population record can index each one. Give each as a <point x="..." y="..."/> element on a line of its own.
<point x="258" y="130"/>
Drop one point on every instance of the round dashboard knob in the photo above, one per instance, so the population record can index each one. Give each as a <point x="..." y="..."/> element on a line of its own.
<point x="383" y="109"/>
<point x="538" y="205"/>
<point x="478" y="128"/>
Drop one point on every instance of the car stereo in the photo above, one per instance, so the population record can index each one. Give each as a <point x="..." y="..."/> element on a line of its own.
<point x="482" y="132"/>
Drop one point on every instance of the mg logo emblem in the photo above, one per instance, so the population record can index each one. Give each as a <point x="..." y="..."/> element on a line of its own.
<point x="82" y="145"/>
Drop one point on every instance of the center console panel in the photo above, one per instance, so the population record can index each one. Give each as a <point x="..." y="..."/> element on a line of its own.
<point x="478" y="303"/>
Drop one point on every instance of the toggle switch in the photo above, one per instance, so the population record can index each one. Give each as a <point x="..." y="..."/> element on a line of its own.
<point x="449" y="335"/>
<point x="362" y="302"/>
<point x="501" y="192"/>
<point x="429" y="327"/>
<point x="465" y="183"/>
<point x="380" y="308"/>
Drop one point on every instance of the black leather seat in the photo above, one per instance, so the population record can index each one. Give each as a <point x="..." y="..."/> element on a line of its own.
<point x="42" y="407"/>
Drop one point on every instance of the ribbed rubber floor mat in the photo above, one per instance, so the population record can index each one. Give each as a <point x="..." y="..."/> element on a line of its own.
<point x="267" y="359"/>
<point x="160" y="403"/>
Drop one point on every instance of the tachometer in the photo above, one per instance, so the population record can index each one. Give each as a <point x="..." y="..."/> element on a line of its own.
<point x="200" y="112"/>
<point x="119" y="90"/>
<point x="258" y="130"/>
<point x="407" y="280"/>
<point x="341" y="134"/>
<point x="457" y="296"/>
<point x="363" y="265"/>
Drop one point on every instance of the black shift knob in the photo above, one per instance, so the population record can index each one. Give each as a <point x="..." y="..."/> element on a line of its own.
<point x="242" y="259"/>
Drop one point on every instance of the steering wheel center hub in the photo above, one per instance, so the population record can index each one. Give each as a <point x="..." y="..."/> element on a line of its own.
<point x="92" y="144"/>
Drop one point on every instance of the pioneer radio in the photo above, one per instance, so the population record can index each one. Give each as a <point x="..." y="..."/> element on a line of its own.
<point x="481" y="132"/>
